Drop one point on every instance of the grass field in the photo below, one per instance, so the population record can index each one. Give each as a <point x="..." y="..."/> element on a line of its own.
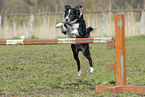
<point x="50" y="70"/>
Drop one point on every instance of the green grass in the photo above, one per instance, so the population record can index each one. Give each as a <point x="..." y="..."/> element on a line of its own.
<point x="50" y="70"/>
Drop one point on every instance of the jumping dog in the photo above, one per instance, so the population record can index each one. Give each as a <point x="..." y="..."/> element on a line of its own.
<point x="74" y="26"/>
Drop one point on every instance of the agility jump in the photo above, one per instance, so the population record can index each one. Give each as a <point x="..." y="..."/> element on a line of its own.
<point x="118" y="43"/>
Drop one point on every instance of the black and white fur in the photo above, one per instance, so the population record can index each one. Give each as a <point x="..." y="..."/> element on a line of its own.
<point x="74" y="26"/>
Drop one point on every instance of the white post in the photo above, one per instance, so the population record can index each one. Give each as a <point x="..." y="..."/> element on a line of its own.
<point x="103" y="24"/>
<point x="14" y="33"/>
<point x="142" y="23"/>
<point x="0" y="26"/>
<point x="31" y="25"/>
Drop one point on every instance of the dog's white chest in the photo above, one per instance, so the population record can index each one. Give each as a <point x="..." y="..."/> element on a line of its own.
<point x="75" y="26"/>
<point x="73" y="30"/>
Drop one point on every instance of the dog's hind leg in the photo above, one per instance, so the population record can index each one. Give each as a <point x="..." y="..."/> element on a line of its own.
<point x="87" y="54"/>
<point x="75" y="54"/>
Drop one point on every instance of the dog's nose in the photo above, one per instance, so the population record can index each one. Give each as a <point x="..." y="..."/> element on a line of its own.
<point x="66" y="19"/>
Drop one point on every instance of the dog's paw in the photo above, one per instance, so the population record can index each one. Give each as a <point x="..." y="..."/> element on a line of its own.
<point x="79" y="73"/>
<point x="59" y="25"/>
<point x="91" y="69"/>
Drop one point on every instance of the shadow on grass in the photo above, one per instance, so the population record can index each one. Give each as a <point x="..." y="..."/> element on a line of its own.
<point x="77" y="85"/>
<point x="81" y="83"/>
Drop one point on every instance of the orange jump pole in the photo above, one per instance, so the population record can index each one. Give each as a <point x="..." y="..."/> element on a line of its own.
<point x="120" y="50"/>
<point x="120" y="64"/>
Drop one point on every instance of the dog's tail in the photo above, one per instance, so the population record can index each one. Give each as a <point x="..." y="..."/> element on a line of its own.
<point x="89" y="29"/>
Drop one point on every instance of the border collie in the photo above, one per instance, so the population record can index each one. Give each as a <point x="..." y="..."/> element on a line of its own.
<point x="74" y="26"/>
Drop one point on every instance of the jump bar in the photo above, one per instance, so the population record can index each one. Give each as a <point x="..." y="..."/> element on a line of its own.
<point x="55" y="41"/>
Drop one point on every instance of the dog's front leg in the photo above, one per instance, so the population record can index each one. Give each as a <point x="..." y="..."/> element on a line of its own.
<point x="62" y="27"/>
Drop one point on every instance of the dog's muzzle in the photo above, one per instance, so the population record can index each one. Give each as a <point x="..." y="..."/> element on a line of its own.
<point x="67" y="19"/>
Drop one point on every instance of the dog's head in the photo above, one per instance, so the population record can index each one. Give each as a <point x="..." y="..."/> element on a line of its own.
<point x="71" y="14"/>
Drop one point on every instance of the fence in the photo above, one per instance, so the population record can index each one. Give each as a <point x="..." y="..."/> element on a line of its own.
<point x="42" y="25"/>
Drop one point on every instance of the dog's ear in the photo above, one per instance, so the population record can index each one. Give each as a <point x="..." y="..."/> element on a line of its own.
<point x="78" y="7"/>
<point x="67" y="7"/>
